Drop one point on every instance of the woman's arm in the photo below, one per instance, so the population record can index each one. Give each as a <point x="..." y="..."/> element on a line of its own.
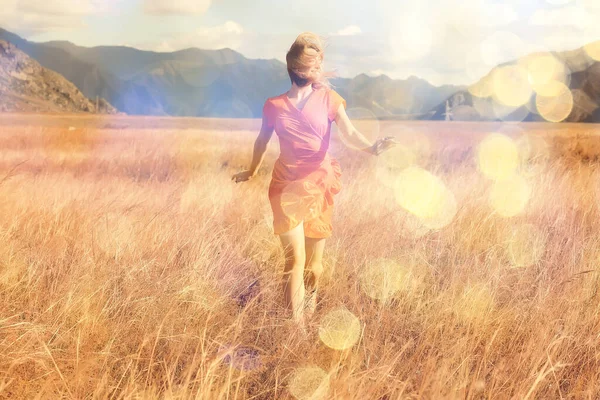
<point x="258" y="155"/>
<point x="351" y="135"/>
<point x="260" y="147"/>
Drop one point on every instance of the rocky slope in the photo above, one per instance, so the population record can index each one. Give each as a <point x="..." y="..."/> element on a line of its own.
<point x="26" y="86"/>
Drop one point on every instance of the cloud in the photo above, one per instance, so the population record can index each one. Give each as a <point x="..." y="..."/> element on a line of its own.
<point x="176" y="7"/>
<point x="497" y="14"/>
<point x="30" y="17"/>
<point x="229" y="34"/>
<point x="350" y="30"/>
<point x="570" y="16"/>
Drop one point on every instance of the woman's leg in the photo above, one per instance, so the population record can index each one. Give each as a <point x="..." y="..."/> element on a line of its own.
<point x="314" y="262"/>
<point x="295" y="259"/>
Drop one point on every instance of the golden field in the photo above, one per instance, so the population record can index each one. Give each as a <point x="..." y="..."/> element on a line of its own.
<point x="131" y="267"/>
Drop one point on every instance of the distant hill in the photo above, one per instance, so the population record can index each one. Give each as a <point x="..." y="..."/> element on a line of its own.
<point x="575" y="69"/>
<point x="26" y="86"/>
<point x="212" y="83"/>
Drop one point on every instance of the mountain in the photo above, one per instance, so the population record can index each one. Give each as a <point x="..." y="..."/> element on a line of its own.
<point x="27" y="86"/>
<point x="551" y="86"/>
<point x="212" y="83"/>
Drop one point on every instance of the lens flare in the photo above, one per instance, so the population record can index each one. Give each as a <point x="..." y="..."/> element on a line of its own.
<point x="555" y="102"/>
<point x="532" y="148"/>
<point x="510" y="113"/>
<point x="410" y="38"/>
<point x="485" y="107"/>
<point x="413" y="147"/>
<point x="544" y="68"/>
<point x="309" y="383"/>
<point x="382" y="278"/>
<point x="525" y="245"/>
<point x="509" y="197"/>
<point x="339" y="329"/>
<point x="365" y="121"/>
<point x="474" y="303"/>
<point x="425" y="195"/>
<point x="396" y="159"/>
<point x="511" y="86"/>
<point x="593" y="50"/>
<point x="484" y="87"/>
<point x="410" y="226"/>
<point x="497" y="156"/>
<point x="302" y="199"/>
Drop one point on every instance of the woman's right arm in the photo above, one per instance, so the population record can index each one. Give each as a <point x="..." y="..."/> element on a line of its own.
<point x="258" y="155"/>
<point x="352" y="136"/>
<point x="260" y="146"/>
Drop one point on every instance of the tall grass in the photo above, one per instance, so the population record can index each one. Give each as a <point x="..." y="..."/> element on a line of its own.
<point x="132" y="267"/>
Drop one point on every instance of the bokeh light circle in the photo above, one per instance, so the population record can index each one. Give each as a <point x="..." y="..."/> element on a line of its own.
<point x="412" y="148"/>
<point x="425" y="195"/>
<point x="525" y="245"/>
<point x="510" y="113"/>
<point x="509" y="197"/>
<point x="555" y="102"/>
<point x="532" y="148"/>
<point x="302" y="199"/>
<point x="365" y="121"/>
<point x="410" y="226"/>
<point x="339" y="329"/>
<point x="309" y="383"/>
<point x="474" y="303"/>
<point x="497" y="156"/>
<point x="410" y="38"/>
<point x="382" y="278"/>
<point x="511" y="86"/>
<point x="484" y="87"/>
<point x="544" y="68"/>
<point x="593" y="50"/>
<point x="485" y="107"/>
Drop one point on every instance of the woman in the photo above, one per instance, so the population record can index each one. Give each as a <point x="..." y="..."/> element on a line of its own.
<point x="305" y="177"/>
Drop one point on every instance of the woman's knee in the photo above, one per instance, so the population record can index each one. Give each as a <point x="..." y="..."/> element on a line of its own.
<point x="316" y="268"/>
<point x="294" y="262"/>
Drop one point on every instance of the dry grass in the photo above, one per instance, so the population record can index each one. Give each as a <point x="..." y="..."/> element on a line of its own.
<point x="130" y="267"/>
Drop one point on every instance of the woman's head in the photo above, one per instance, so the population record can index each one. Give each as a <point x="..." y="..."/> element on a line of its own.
<point x="305" y="61"/>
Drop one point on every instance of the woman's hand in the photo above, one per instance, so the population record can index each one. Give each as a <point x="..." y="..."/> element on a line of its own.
<point x="383" y="144"/>
<point x="242" y="176"/>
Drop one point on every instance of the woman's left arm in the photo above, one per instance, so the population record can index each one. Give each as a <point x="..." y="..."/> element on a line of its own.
<point x="351" y="135"/>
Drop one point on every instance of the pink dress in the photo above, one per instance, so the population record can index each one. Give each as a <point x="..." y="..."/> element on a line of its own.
<point x="305" y="177"/>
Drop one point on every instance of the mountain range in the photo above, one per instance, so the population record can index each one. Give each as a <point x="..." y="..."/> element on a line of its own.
<point x="224" y="83"/>
<point x="212" y="83"/>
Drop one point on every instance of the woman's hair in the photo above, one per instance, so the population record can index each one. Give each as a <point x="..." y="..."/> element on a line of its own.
<point x="305" y="61"/>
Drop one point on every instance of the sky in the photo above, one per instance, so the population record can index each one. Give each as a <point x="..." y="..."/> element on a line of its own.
<point x="443" y="41"/>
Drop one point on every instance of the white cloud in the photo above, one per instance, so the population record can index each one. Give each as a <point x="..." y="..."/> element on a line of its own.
<point x="570" y="16"/>
<point x="350" y="30"/>
<point x="176" y="7"/>
<point x="230" y="34"/>
<point x="497" y="14"/>
<point x="30" y="17"/>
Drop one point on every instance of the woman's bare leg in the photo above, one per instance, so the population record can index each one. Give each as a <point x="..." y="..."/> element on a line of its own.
<point x="314" y="262"/>
<point x="295" y="259"/>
